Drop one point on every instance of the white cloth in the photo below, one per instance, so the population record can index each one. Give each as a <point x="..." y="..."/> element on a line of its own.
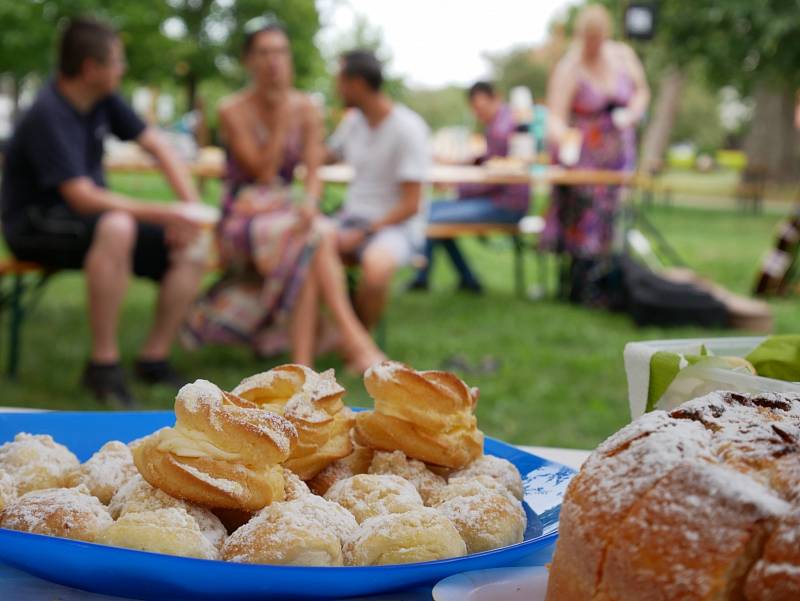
<point x="398" y="150"/>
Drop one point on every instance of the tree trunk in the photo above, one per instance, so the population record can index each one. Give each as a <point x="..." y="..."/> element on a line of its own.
<point x="771" y="143"/>
<point x="657" y="135"/>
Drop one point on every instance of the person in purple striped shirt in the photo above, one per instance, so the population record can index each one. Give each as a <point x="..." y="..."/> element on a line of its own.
<point x="478" y="203"/>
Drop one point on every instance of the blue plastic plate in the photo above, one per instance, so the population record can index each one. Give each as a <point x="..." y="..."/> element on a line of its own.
<point x="152" y="576"/>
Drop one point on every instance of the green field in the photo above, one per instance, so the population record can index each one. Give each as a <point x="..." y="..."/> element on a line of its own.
<point x="561" y="381"/>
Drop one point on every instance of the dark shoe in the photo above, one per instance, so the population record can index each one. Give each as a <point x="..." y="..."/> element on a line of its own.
<point x="107" y="383"/>
<point x="471" y="287"/>
<point x="417" y="286"/>
<point x="159" y="372"/>
<point x="457" y="363"/>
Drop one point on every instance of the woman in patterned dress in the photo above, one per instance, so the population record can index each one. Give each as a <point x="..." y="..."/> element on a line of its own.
<point x="279" y="253"/>
<point x="599" y="89"/>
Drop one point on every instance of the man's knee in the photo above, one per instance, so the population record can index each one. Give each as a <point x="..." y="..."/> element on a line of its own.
<point x="378" y="266"/>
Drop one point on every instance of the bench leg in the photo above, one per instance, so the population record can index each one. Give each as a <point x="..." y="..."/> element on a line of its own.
<point x="15" y="326"/>
<point x="519" y="266"/>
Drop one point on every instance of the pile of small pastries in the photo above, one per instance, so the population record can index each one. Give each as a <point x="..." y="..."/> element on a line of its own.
<point x="278" y="471"/>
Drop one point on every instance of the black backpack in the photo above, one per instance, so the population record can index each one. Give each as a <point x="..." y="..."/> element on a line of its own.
<point x="652" y="299"/>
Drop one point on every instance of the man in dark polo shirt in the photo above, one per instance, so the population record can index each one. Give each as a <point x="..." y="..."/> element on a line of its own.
<point x="56" y="210"/>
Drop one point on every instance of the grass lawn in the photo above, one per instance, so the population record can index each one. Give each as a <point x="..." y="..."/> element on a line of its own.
<point x="561" y="381"/>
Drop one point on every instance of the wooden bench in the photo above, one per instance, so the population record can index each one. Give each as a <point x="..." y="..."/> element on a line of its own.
<point x="528" y="225"/>
<point x="20" y="285"/>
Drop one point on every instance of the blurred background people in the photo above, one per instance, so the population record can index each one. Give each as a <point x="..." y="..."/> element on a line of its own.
<point x="478" y="203"/>
<point x="280" y="256"/>
<point x="596" y="96"/>
<point x="381" y="226"/>
<point x="57" y="211"/>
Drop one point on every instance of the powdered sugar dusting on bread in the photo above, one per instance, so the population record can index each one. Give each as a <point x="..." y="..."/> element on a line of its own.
<point x="705" y="472"/>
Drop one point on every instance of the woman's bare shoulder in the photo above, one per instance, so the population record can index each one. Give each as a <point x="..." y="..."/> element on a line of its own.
<point x="233" y="103"/>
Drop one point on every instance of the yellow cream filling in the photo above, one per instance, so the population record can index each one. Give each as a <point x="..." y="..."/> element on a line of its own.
<point x="184" y="442"/>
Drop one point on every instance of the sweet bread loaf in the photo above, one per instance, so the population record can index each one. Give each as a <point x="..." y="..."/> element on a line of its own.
<point x="429" y="415"/>
<point x="699" y="504"/>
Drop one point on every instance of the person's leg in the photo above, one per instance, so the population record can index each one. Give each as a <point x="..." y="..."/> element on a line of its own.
<point x="357" y="345"/>
<point x="108" y="268"/>
<point x="303" y="324"/>
<point x="467" y="278"/>
<point x="389" y="249"/>
<point x="180" y="278"/>
<point x="420" y="281"/>
<point x="470" y="210"/>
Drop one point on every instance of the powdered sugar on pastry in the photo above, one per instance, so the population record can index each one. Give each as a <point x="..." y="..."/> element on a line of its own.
<point x="368" y="495"/>
<point x="284" y="534"/>
<point x="36" y="461"/>
<point x="8" y="489"/>
<point x="105" y="471"/>
<point x="424" y="480"/>
<point x="63" y="512"/>
<point x="137" y="496"/>
<point x="501" y="470"/>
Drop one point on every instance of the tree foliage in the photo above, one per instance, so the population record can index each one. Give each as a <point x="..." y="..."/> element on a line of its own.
<point x="165" y="40"/>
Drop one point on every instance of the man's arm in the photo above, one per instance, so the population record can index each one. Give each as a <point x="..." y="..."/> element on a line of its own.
<point x="84" y="196"/>
<point x="407" y="205"/>
<point x="178" y="176"/>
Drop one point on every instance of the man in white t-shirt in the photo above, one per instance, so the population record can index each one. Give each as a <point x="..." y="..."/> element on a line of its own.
<point x="381" y="226"/>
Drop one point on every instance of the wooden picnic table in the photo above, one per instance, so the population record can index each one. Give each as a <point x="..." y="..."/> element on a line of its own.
<point x="214" y="168"/>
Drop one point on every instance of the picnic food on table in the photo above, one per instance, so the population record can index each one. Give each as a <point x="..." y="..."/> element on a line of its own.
<point x="313" y="404"/>
<point x="37" y="461"/>
<point x="224" y="451"/>
<point x="229" y="460"/>
<point x="698" y="503"/>
<point x="105" y="471"/>
<point x="170" y="530"/>
<point x="64" y="512"/>
<point x="421" y="534"/>
<point x="429" y="415"/>
<point x="369" y="495"/>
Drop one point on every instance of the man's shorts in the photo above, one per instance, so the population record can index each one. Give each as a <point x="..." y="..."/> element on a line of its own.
<point x="401" y="241"/>
<point x="58" y="238"/>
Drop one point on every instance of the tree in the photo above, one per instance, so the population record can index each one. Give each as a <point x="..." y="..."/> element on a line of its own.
<point x="749" y="45"/>
<point x="187" y="40"/>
